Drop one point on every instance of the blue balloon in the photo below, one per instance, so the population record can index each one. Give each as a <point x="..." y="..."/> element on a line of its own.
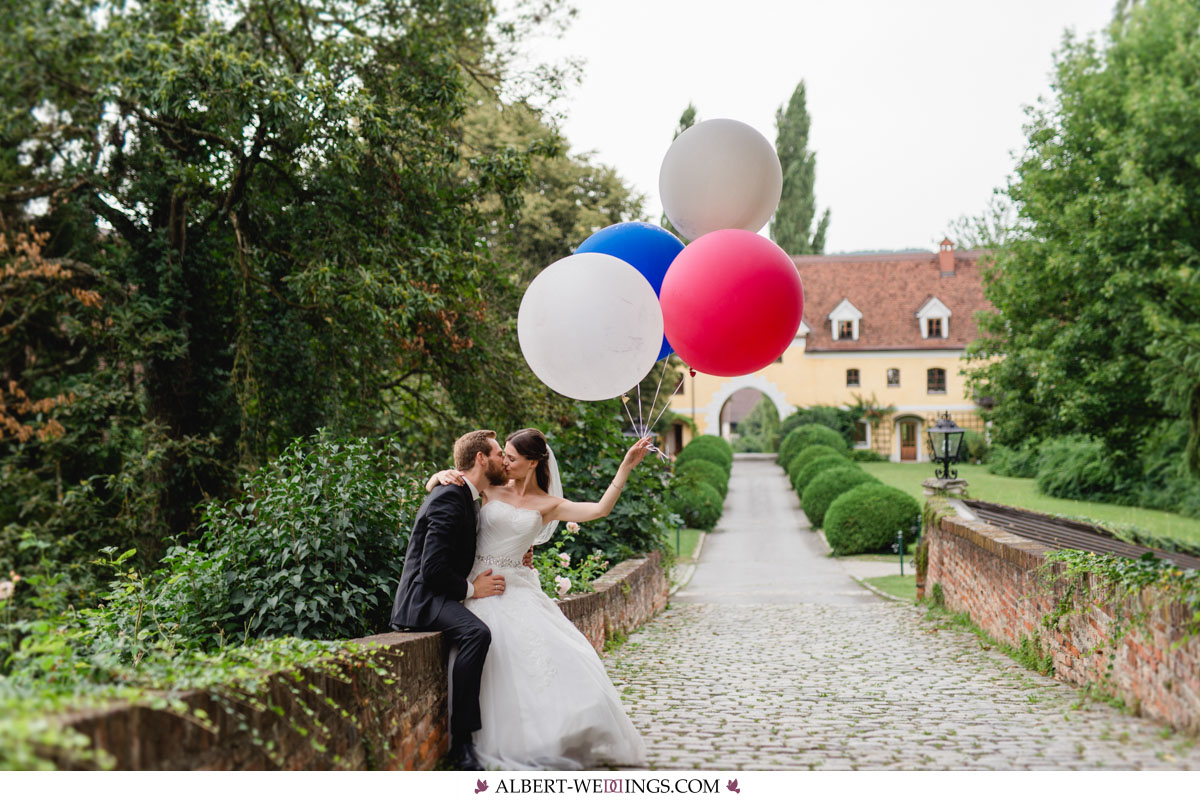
<point x="649" y="248"/>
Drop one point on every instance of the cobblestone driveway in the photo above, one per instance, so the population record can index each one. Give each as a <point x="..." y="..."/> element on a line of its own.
<point x="773" y="658"/>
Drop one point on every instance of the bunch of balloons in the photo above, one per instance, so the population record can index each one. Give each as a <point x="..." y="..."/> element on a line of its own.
<point x="592" y="325"/>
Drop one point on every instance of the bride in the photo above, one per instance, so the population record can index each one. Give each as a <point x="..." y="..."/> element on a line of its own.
<point x="545" y="701"/>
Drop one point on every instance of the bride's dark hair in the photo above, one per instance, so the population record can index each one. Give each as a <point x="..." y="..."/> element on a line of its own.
<point x="531" y="444"/>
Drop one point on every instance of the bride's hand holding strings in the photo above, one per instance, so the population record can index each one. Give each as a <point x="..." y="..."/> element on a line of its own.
<point x="637" y="452"/>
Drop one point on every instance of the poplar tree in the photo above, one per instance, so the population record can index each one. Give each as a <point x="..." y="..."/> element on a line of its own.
<point x="792" y="228"/>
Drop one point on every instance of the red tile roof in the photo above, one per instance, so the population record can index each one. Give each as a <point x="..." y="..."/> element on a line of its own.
<point x="889" y="288"/>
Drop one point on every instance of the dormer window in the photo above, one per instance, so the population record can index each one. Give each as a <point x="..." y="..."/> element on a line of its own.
<point x="844" y="321"/>
<point x="934" y="319"/>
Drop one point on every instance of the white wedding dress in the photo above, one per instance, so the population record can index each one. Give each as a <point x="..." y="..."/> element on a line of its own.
<point x="545" y="700"/>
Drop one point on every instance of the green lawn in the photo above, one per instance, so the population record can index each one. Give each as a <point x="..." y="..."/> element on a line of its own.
<point x="1022" y="492"/>
<point x="688" y="539"/>
<point x="900" y="586"/>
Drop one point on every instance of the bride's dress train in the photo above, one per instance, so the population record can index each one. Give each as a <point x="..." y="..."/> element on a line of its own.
<point x="545" y="699"/>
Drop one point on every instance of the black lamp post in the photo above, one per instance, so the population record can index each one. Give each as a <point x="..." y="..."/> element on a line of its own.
<point x="945" y="443"/>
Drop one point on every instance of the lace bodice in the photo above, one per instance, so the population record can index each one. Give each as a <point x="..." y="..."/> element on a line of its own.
<point x="506" y="531"/>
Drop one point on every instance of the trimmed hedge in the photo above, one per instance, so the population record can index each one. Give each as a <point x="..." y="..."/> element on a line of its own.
<point x="866" y="455"/>
<point x="788" y="449"/>
<point x="865" y="519"/>
<point x="715" y="440"/>
<point x="827" y="486"/>
<point x="706" y="471"/>
<point x="814" y="468"/>
<point x="807" y="457"/>
<point x="707" y="451"/>
<point x="817" y="434"/>
<point x="696" y="501"/>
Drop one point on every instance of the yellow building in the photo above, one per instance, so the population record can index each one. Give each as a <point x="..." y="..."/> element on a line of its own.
<point x="887" y="326"/>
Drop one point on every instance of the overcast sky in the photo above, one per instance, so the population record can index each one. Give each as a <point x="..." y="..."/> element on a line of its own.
<point x="917" y="107"/>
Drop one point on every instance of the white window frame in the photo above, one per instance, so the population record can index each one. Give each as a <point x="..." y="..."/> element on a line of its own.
<point x="934" y="309"/>
<point x="844" y="312"/>
<point x="864" y="446"/>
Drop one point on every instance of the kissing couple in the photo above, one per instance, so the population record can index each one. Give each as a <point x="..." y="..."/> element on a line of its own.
<point x="527" y="690"/>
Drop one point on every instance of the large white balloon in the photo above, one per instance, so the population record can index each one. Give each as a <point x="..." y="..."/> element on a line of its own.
<point x="590" y="326"/>
<point x="719" y="174"/>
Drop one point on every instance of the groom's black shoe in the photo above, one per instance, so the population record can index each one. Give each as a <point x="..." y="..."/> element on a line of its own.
<point x="463" y="757"/>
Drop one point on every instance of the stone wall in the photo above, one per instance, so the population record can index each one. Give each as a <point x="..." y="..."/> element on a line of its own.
<point x="991" y="575"/>
<point x="397" y="720"/>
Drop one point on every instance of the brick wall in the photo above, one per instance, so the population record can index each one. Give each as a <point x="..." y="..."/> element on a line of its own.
<point x="990" y="574"/>
<point x="397" y="725"/>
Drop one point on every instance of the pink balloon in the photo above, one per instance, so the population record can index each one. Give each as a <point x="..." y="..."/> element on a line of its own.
<point x="732" y="303"/>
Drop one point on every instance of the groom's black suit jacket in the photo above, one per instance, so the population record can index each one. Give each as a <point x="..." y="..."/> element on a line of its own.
<point x="441" y="551"/>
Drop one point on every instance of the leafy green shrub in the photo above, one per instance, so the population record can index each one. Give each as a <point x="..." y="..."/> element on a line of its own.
<point x="748" y="443"/>
<point x="826" y="487"/>
<point x="1165" y="480"/>
<point x="315" y="546"/>
<point x="1082" y="468"/>
<point x="865" y="519"/>
<point x="809" y="455"/>
<point x="589" y="451"/>
<point x="866" y="455"/>
<point x="976" y="446"/>
<point x="697" y="502"/>
<point x="707" y="472"/>
<point x="707" y="451"/>
<point x="1016" y="462"/>
<point x="808" y="472"/>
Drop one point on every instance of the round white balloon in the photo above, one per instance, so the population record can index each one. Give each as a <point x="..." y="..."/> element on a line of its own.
<point x="719" y="174"/>
<point x="590" y="326"/>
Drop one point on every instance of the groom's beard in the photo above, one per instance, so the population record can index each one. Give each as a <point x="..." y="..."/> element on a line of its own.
<point x="495" y="475"/>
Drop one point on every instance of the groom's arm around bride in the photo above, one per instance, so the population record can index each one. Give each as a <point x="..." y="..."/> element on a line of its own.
<point x="441" y="552"/>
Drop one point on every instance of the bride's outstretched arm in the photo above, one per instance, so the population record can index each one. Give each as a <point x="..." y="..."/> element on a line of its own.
<point x="579" y="512"/>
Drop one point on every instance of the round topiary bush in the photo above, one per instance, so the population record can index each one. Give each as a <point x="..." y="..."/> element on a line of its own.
<point x="808" y="472"/>
<point x="826" y="487"/>
<point x="715" y="440"/>
<point x="698" y="503"/>
<point x="865" y="519"/>
<point x="706" y="471"/>
<point x="788" y="449"/>
<point x="816" y="434"/>
<point x="706" y="451"/>
<point x="807" y="457"/>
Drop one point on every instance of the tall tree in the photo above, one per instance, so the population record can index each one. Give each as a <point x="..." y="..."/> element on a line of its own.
<point x="792" y="227"/>
<point x="686" y="120"/>
<point x="277" y="209"/>
<point x="1097" y="322"/>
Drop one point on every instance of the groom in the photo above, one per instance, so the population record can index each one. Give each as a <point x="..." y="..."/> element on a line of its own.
<point x="441" y="551"/>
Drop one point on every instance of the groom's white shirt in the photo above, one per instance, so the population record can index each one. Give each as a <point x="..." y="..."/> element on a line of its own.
<point x="474" y="497"/>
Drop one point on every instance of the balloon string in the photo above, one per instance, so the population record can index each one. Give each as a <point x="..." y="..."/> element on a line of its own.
<point x="641" y="419"/>
<point x="656" y="391"/>
<point x="667" y="403"/>
<point x="625" y="405"/>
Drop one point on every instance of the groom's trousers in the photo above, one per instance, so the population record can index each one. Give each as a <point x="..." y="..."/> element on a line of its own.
<point x="471" y="637"/>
